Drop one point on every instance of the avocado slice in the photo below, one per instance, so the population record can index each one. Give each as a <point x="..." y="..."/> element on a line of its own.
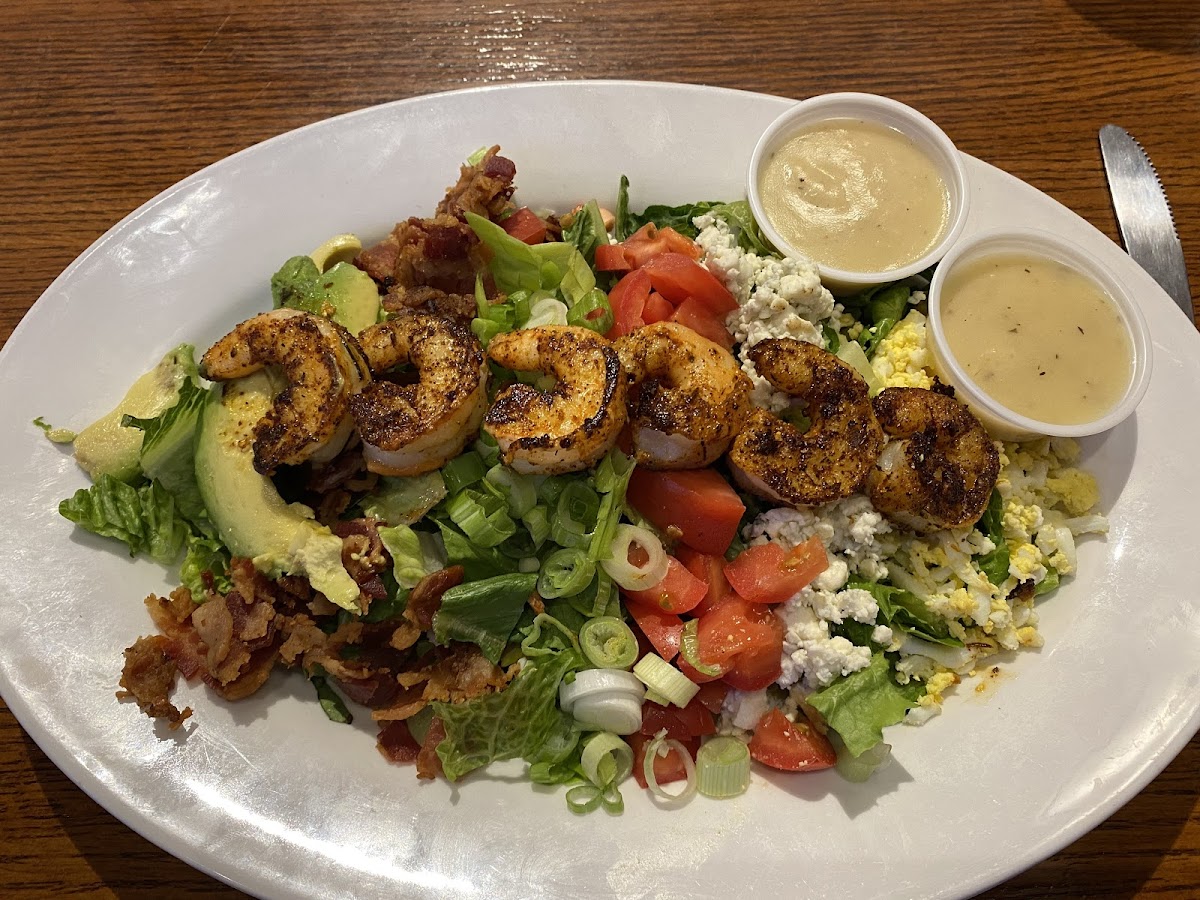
<point x="106" y="447"/>
<point x="344" y="293"/>
<point x="251" y="517"/>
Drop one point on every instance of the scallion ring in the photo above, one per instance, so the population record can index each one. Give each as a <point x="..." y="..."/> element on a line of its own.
<point x="565" y="573"/>
<point x="723" y="767"/>
<point x="689" y="649"/>
<point x="661" y="745"/>
<point x="606" y="759"/>
<point x="592" y="311"/>
<point x="625" y="573"/>
<point x="608" y="643"/>
<point x="583" y="798"/>
<point x="575" y="515"/>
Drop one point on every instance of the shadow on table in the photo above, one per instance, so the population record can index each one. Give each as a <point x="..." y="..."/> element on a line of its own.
<point x="1172" y="26"/>
<point x="1116" y="859"/>
<point x="130" y="866"/>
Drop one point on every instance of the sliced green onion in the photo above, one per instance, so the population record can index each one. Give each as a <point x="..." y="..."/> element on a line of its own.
<point x="592" y="311"/>
<point x="655" y="697"/>
<point x="547" y="311"/>
<point x="614" y="803"/>
<point x="608" y="643"/>
<point x="527" y="564"/>
<point x="626" y="574"/>
<point x="518" y="490"/>
<point x="723" y="767"/>
<point x="660" y="746"/>
<point x="463" y="471"/>
<point x="483" y="518"/>
<point x="689" y="649"/>
<point x="565" y="573"/>
<point x="664" y="679"/>
<point x="537" y="523"/>
<point x="583" y="798"/>
<point x="606" y="759"/>
<point x="552" y="486"/>
<point x="487" y="448"/>
<point x="575" y="515"/>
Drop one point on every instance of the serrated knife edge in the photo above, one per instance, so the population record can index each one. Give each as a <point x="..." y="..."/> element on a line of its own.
<point x="1143" y="214"/>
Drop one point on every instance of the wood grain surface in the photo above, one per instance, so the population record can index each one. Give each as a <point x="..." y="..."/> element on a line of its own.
<point x="104" y="103"/>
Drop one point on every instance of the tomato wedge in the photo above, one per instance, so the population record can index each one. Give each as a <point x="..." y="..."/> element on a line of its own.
<point x="712" y="696"/>
<point x="678" y="592"/>
<point x="694" y="720"/>
<point x="628" y="301"/>
<point x="667" y="768"/>
<point x="734" y="628"/>
<point x="664" y="630"/>
<point x="658" y="308"/>
<point x="761" y="665"/>
<point x="693" y="314"/>
<point x="678" y="277"/>
<point x="611" y="258"/>
<point x="525" y="225"/>
<point x="710" y="569"/>
<point x="650" y="241"/>
<point x="767" y="573"/>
<point x="790" y="746"/>
<point x="699" y="502"/>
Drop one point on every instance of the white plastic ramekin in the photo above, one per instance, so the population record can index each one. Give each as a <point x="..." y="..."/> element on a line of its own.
<point x="884" y="111"/>
<point x="1001" y="421"/>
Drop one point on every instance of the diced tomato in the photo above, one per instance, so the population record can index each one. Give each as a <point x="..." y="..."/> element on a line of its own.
<point x="678" y="592"/>
<point x="650" y="241"/>
<point x="628" y="301"/>
<point x="693" y="314"/>
<point x="678" y="277"/>
<point x="761" y="665"/>
<point x="710" y="569"/>
<point x="663" y="629"/>
<point x="767" y="573"/>
<point x="736" y="627"/>
<point x="699" y="502"/>
<point x="694" y="720"/>
<point x="790" y="746"/>
<point x="712" y="696"/>
<point x="611" y="258"/>
<point x="525" y="226"/>
<point x="666" y="768"/>
<point x="658" y="308"/>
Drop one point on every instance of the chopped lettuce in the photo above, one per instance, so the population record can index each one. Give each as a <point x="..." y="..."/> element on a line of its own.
<point x="736" y="215"/>
<point x="403" y="501"/>
<point x="587" y="232"/>
<point x="623" y="225"/>
<point x="483" y="612"/>
<point x="414" y="554"/>
<point x="333" y="706"/>
<point x="205" y="554"/>
<point x="523" y="720"/>
<point x="995" y="564"/>
<point x="145" y="518"/>
<point x="906" y="612"/>
<point x="477" y="562"/>
<point x="879" y="309"/>
<point x="860" y="705"/>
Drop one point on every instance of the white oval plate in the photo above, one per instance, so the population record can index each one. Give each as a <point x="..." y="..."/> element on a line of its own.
<point x="269" y="796"/>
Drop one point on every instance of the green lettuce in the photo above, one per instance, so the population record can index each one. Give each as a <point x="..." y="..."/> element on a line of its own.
<point x="587" y="231"/>
<point x="145" y="518"/>
<point x="904" y="611"/>
<point x="414" y="554"/>
<point x="483" y="612"/>
<point x="878" y="308"/>
<point x="205" y="554"/>
<point x="403" y="501"/>
<point x="477" y="562"/>
<point x="522" y="721"/>
<point x="860" y="705"/>
<point x="995" y="564"/>
<point x="736" y="215"/>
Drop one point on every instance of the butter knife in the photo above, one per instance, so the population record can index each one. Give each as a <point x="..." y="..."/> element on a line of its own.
<point x="1143" y="214"/>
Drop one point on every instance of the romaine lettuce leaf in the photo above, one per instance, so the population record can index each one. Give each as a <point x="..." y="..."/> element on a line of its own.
<point x="995" y="564"/>
<point x="483" y="612"/>
<point x="587" y="231"/>
<point x="414" y="554"/>
<point x="477" y="562"/>
<point x="402" y="501"/>
<point x="144" y="518"/>
<point x="860" y="705"/>
<point x="205" y="554"/>
<point x="523" y="720"/>
<point x="903" y="611"/>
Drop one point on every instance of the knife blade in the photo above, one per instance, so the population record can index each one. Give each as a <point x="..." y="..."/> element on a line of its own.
<point x="1143" y="214"/>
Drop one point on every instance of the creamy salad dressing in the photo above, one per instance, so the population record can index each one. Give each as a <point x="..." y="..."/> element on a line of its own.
<point x="1039" y="337"/>
<point x="855" y="195"/>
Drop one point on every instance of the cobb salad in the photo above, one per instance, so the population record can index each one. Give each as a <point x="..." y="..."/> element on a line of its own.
<point x="616" y="494"/>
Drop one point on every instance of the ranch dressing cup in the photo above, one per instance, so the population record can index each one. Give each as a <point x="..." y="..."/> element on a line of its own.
<point x="1034" y="252"/>
<point x="856" y="185"/>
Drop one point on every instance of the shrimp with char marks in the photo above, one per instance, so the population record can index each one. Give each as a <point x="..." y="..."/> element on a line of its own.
<point x="776" y="460"/>
<point x="573" y="424"/>
<point x="323" y="365"/>
<point x="688" y="396"/>
<point x="940" y="465"/>
<point x="410" y="429"/>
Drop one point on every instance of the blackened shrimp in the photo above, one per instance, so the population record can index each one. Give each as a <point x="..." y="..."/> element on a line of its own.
<point x="830" y="460"/>
<point x="571" y="425"/>
<point x="323" y="365"/>
<point x="409" y="429"/>
<point x="940" y="465"/>
<point x="688" y="396"/>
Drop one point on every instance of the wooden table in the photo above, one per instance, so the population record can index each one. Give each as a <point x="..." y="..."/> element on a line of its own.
<point x="104" y="103"/>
